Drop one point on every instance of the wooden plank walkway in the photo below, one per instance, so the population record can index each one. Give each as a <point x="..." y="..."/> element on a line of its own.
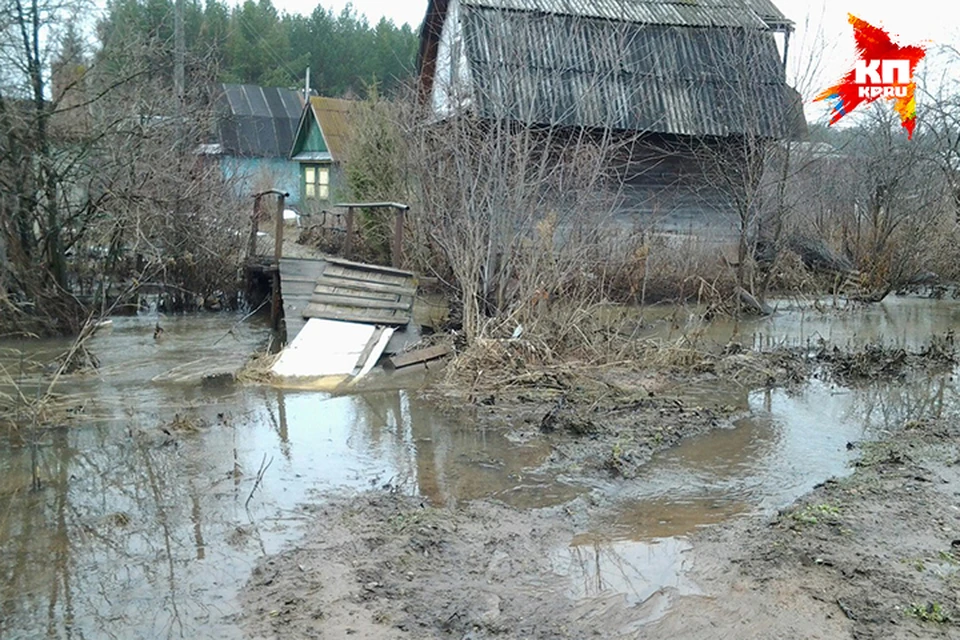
<point x="335" y="289"/>
<point x="358" y="292"/>
<point x="298" y="276"/>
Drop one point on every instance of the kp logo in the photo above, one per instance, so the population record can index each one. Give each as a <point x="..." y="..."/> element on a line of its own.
<point x="884" y="70"/>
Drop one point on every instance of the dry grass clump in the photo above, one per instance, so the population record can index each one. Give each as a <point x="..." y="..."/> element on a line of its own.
<point x="185" y="424"/>
<point x="880" y="361"/>
<point x="569" y="349"/>
<point x="657" y="267"/>
<point x="18" y="409"/>
<point x="257" y="369"/>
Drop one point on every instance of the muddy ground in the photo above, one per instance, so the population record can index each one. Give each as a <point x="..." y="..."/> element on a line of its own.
<point x="874" y="555"/>
<point x="879" y="550"/>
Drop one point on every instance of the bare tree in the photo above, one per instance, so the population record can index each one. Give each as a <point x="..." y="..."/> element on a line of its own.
<point x="518" y="171"/>
<point x="91" y="169"/>
<point x="750" y="166"/>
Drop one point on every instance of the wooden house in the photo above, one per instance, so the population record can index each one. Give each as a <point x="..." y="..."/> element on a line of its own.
<point x="319" y="148"/>
<point x="684" y="78"/>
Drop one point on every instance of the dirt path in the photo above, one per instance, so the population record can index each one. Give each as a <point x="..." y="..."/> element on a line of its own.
<point x="389" y="566"/>
<point x="383" y="566"/>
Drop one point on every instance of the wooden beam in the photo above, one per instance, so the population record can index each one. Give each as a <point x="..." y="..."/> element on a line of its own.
<point x="276" y="305"/>
<point x="254" y="228"/>
<point x="417" y="356"/>
<point x="348" y="242"/>
<point x="396" y="253"/>
<point x="350" y="314"/>
<point x="364" y="285"/>
<point x="360" y="303"/>
<point x="361" y="266"/>
<point x="357" y="292"/>
<point x="373" y="205"/>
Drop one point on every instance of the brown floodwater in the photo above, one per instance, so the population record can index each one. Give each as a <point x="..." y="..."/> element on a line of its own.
<point x="787" y="442"/>
<point x="905" y="321"/>
<point x="143" y="528"/>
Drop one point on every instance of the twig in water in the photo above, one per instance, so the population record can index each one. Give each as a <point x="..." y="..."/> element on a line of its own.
<point x="256" y="483"/>
<point x="241" y="320"/>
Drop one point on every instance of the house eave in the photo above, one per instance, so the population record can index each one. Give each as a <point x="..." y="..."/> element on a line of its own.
<point x="313" y="156"/>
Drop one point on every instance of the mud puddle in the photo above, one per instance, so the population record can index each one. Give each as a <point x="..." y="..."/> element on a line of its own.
<point x="788" y="443"/>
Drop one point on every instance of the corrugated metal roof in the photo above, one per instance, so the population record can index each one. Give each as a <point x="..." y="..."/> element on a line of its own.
<point x="333" y="115"/>
<point x="555" y="69"/>
<point x="769" y="12"/>
<point x="258" y="122"/>
<point x="690" y="13"/>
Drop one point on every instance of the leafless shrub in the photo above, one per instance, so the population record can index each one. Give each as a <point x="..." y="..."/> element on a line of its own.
<point x="102" y="190"/>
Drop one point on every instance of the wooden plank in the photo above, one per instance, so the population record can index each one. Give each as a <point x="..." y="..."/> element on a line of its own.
<point x="372" y="276"/>
<point x="337" y="289"/>
<point x="360" y="276"/>
<point x="332" y="310"/>
<point x="366" y="286"/>
<point x="352" y="314"/>
<point x="371" y="345"/>
<point x="416" y="356"/>
<point x="361" y="318"/>
<point x="360" y="303"/>
<point x="295" y="279"/>
<point x="363" y="288"/>
<point x="363" y="294"/>
<point x="370" y="267"/>
<point x="375" y="353"/>
<point x="352" y="276"/>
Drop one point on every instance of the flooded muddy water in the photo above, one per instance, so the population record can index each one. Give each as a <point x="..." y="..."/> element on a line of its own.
<point x="161" y="492"/>
<point x="786" y="444"/>
<point x="904" y="321"/>
<point x="145" y="525"/>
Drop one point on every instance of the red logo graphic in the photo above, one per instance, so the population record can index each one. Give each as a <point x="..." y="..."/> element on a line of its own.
<point x="884" y="70"/>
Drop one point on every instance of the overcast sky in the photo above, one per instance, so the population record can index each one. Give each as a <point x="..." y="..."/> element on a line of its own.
<point x="926" y="22"/>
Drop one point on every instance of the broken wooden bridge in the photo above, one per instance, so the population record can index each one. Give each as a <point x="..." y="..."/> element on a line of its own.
<point x="335" y="315"/>
<point x="337" y="289"/>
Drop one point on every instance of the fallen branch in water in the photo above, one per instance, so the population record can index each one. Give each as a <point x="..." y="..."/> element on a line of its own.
<point x="256" y="483"/>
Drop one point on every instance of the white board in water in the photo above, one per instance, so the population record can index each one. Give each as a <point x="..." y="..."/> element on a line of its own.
<point x="324" y="348"/>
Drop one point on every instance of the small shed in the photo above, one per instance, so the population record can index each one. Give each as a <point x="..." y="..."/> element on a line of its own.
<point x="318" y="148"/>
<point x="255" y="130"/>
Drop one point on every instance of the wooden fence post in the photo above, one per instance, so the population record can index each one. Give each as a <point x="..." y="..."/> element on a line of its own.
<point x="397" y="252"/>
<point x="348" y="243"/>
<point x="278" y="234"/>
<point x="276" y="309"/>
<point x="254" y="228"/>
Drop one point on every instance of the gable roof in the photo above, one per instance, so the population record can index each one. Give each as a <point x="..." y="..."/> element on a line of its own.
<point x="702" y="13"/>
<point x="662" y="66"/>
<point x="257" y="122"/>
<point x="332" y="117"/>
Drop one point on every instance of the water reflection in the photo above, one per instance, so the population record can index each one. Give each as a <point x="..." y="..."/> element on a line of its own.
<point x="138" y="531"/>
<point x="905" y="321"/>
<point x="645" y="577"/>
<point x="143" y="530"/>
<point x="791" y="441"/>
